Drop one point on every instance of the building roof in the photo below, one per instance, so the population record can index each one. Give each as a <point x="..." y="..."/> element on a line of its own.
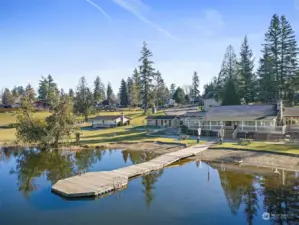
<point x="108" y="117"/>
<point x="241" y="113"/>
<point x="180" y="111"/>
<point x="291" y="111"/>
<point x="195" y="114"/>
<point x="162" y="117"/>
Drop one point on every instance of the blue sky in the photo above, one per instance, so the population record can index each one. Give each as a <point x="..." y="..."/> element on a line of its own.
<point x="73" y="38"/>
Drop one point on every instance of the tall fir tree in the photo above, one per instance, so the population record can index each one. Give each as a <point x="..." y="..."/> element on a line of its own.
<point x="160" y="90"/>
<point x="98" y="92"/>
<point x="71" y="93"/>
<point x="195" y="86"/>
<point x="48" y="90"/>
<point x="123" y="93"/>
<point x="147" y="73"/>
<point x="83" y="102"/>
<point x="110" y="94"/>
<point x="136" y="79"/>
<point x="179" y="95"/>
<point x="227" y="73"/>
<point x="248" y="79"/>
<point x="172" y="90"/>
<point x="30" y="93"/>
<point x="288" y="60"/>
<point x="230" y="95"/>
<point x="7" y="97"/>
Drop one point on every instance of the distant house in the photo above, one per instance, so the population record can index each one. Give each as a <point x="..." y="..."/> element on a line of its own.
<point x="209" y="103"/>
<point x="41" y="104"/>
<point x="109" y="121"/>
<point x="291" y="115"/>
<point x="163" y="121"/>
<point x="193" y="120"/>
<point x="180" y="111"/>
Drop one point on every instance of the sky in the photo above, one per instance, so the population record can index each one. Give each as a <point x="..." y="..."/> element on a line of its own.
<point x="73" y="38"/>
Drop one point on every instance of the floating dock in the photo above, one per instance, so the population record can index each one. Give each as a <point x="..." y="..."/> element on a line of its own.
<point x="103" y="182"/>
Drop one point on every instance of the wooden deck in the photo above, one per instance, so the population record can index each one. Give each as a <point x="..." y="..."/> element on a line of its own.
<point x="103" y="182"/>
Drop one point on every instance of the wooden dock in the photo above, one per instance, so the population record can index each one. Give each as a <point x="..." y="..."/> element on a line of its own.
<point x="103" y="182"/>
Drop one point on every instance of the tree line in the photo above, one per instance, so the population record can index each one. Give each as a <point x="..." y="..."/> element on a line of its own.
<point x="276" y="76"/>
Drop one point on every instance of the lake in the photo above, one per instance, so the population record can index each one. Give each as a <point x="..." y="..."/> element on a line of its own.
<point x="186" y="193"/>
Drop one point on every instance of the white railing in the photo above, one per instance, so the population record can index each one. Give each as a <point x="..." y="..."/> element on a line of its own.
<point x="235" y="133"/>
<point x="293" y="127"/>
<point x="267" y="129"/>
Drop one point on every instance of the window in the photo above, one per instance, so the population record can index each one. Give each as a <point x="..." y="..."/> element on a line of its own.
<point x="228" y="123"/>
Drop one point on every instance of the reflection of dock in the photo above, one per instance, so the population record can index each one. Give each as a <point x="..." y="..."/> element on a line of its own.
<point x="99" y="183"/>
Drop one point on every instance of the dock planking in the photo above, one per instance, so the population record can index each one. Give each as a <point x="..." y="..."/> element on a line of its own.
<point x="103" y="182"/>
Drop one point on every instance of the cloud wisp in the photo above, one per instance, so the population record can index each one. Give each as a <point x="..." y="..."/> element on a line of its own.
<point x="99" y="8"/>
<point x="134" y="7"/>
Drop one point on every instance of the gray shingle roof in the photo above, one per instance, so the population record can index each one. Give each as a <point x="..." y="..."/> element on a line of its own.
<point x="195" y="114"/>
<point x="162" y="117"/>
<point x="180" y="111"/>
<point x="291" y="111"/>
<point x="241" y="113"/>
<point x="107" y="117"/>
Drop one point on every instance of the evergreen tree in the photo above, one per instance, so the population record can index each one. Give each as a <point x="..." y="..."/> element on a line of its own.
<point x="48" y="90"/>
<point x="160" y="90"/>
<point x="228" y="72"/>
<point x="99" y="92"/>
<point x="230" y="95"/>
<point x="179" y="95"/>
<point x="30" y="93"/>
<point x="130" y="84"/>
<point x="288" y="60"/>
<point x="273" y="50"/>
<point x="71" y="93"/>
<point x="110" y="94"/>
<point x="146" y="75"/>
<point x="7" y="97"/>
<point x="83" y="101"/>
<point x="123" y="93"/>
<point x="172" y="90"/>
<point x="195" y="86"/>
<point x="247" y="77"/>
<point x="136" y="79"/>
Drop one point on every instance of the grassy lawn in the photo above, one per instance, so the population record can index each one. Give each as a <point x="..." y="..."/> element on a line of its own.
<point x="261" y="146"/>
<point x="95" y="137"/>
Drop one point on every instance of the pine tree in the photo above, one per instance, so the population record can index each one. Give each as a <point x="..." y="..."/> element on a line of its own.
<point x="98" y="92"/>
<point x="247" y="77"/>
<point x="288" y="60"/>
<point x="146" y="76"/>
<point x="48" y="90"/>
<point x="266" y="81"/>
<point x="160" y="90"/>
<point x="110" y="95"/>
<point x="179" y="95"/>
<point x="123" y="93"/>
<point x="7" y="97"/>
<point x="71" y="93"/>
<point x="136" y="79"/>
<point x="195" y="86"/>
<point x="228" y="72"/>
<point x="272" y="46"/>
<point x="172" y="90"/>
<point x="30" y="93"/>
<point x="83" y="101"/>
<point x="230" y="95"/>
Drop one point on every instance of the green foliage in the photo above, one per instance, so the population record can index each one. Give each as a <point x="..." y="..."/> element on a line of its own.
<point x="230" y="96"/>
<point x="195" y="86"/>
<point x="83" y="101"/>
<point x="160" y="90"/>
<point x="48" y="90"/>
<point x="247" y="84"/>
<point x="172" y="90"/>
<point x="147" y="74"/>
<point x="7" y="97"/>
<point x="99" y="90"/>
<point x="123" y="93"/>
<point x="179" y="95"/>
<point x="110" y="94"/>
<point x="49" y="131"/>
<point x="30" y="93"/>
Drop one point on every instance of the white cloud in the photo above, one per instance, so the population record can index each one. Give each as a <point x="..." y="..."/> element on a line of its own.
<point x="99" y="8"/>
<point x="137" y="7"/>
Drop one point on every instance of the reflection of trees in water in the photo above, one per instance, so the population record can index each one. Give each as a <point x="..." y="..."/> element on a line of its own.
<point x="32" y="164"/>
<point x="281" y="197"/>
<point x="148" y="182"/>
<point x="140" y="157"/>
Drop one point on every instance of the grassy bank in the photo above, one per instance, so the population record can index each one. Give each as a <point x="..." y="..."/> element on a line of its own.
<point x="261" y="146"/>
<point x="95" y="137"/>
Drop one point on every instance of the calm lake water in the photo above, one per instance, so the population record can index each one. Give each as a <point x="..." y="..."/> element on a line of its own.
<point x="193" y="193"/>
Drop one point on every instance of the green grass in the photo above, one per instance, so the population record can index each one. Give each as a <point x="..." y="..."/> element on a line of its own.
<point x="11" y="117"/>
<point x="261" y="146"/>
